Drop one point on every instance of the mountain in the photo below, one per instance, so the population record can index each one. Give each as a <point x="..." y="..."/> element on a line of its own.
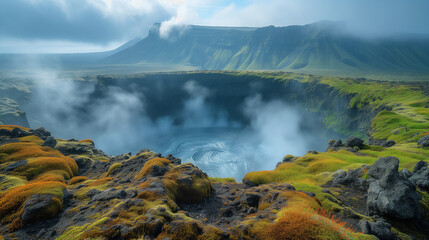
<point x="321" y="45"/>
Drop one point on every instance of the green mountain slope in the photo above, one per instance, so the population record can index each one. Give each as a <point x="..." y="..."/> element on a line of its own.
<point x="315" y="46"/>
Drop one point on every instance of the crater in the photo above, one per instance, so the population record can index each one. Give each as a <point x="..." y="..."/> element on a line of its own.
<point x="226" y="124"/>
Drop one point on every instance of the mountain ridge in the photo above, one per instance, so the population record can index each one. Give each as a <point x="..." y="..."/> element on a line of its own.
<point x="321" y="45"/>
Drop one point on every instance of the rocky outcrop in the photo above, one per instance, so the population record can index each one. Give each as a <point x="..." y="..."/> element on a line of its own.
<point x="11" y="113"/>
<point x="40" y="206"/>
<point x="50" y="142"/>
<point x="390" y="195"/>
<point x="352" y="142"/>
<point x="424" y="141"/>
<point x="420" y="178"/>
<point x="351" y="178"/>
<point x="379" y="229"/>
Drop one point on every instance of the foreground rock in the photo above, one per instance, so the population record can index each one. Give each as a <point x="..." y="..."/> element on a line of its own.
<point x="390" y="195"/>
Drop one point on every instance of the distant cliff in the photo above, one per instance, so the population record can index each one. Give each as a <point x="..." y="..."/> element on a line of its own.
<point x="318" y="46"/>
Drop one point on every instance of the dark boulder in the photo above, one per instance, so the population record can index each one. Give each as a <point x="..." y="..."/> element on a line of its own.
<point x="40" y="206"/>
<point x="421" y="178"/>
<point x="351" y="178"/>
<point x="390" y="195"/>
<point x="5" y="132"/>
<point x="252" y="199"/>
<point x="405" y="173"/>
<point x="421" y="164"/>
<point x="352" y="142"/>
<point x="424" y="141"/>
<point x="41" y="132"/>
<point x="50" y="142"/>
<point x="389" y="143"/>
<point x="18" y="132"/>
<point x="338" y="144"/>
<point x="379" y="229"/>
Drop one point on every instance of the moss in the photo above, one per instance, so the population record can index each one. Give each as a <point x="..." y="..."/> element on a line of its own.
<point x="76" y="232"/>
<point x="87" y="141"/>
<point x="222" y="180"/>
<point x="113" y="168"/>
<point x="33" y="139"/>
<point x="10" y="181"/>
<point x="25" y="150"/>
<point x="52" y="176"/>
<point x="11" y="202"/>
<point x="77" y="179"/>
<point x="65" y="166"/>
<point x="11" y="127"/>
<point x="199" y="189"/>
<point x="149" y="165"/>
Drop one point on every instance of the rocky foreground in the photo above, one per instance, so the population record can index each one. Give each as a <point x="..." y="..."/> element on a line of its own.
<point x="68" y="189"/>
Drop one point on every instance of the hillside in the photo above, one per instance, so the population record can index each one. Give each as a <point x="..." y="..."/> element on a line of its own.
<point x="318" y="46"/>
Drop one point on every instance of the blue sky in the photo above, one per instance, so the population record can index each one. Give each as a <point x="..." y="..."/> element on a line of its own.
<point x="98" y="25"/>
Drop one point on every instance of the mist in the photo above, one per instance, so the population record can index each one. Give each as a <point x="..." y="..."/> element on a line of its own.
<point x="197" y="125"/>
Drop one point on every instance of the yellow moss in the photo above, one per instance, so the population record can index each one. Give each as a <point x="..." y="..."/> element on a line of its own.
<point x="11" y="202"/>
<point x="87" y="141"/>
<point x="25" y="150"/>
<point x="9" y="181"/>
<point x="11" y="127"/>
<point x="77" y="179"/>
<point x="199" y="189"/>
<point x="65" y="166"/>
<point x="222" y="180"/>
<point x="52" y="176"/>
<point x="113" y="168"/>
<point x="32" y="138"/>
<point x="148" y="166"/>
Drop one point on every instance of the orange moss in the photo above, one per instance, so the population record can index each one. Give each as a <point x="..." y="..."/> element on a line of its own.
<point x="147" y="195"/>
<point x="77" y="179"/>
<point x="40" y="165"/>
<point x="304" y="223"/>
<point x="25" y="150"/>
<point x="182" y="230"/>
<point x="11" y="201"/>
<point x="11" y="127"/>
<point x="148" y="166"/>
<point x="195" y="192"/>
<point x="51" y="176"/>
<point x="100" y="181"/>
<point x="87" y="141"/>
<point x="145" y="184"/>
<point x="32" y="138"/>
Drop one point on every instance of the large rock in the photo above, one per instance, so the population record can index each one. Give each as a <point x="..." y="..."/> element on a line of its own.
<point x="18" y="132"/>
<point x="390" y="195"/>
<point x="424" y="141"/>
<point x="41" y="132"/>
<point x="354" y="142"/>
<point x="50" y="142"/>
<point x="421" y="164"/>
<point x="421" y="178"/>
<point x="351" y="178"/>
<point x="40" y="206"/>
<point x="4" y="132"/>
<point x="379" y="229"/>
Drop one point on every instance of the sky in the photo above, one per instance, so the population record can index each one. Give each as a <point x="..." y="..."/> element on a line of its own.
<point x="53" y="26"/>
